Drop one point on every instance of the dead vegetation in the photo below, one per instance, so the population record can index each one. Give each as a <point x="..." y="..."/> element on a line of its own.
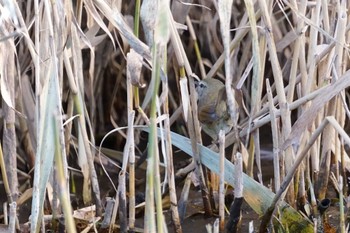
<point x="88" y="92"/>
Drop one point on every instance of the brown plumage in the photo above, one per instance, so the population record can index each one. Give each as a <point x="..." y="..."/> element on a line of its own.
<point x="212" y="107"/>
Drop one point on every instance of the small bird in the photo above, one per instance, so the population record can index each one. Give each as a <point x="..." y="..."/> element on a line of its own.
<point x="212" y="107"/>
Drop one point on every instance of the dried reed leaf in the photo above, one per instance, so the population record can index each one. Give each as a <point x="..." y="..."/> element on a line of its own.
<point x="162" y="32"/>
<point x="148" y="13"/>
<point x="93" y="12"/>
<point x="92" y="38"/>
<point x="116" y="18"/>
<point x="28" y="106"/>
<point x="8" y="50"/>
<point x="50" y="106"/>
<point x="3" y="75"/>
<point x="180" y="10"/>
<point x="134" y="66"/>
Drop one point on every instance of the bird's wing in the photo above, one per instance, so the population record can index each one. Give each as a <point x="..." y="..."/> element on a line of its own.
<point x="221" y="103"/>
<point x="207" y="113"/>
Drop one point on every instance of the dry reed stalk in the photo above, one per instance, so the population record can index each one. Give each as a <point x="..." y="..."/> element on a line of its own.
<point x="62" y="177"/>
<point x="132" y="186"/>
<point x="297" y="49"/>
<point x="114" y="213"/>
<point x="8" y="80"/>
<point x="170" y="163"/>
<point x="190" y="111"/>
<point x="136" y="88"/>
<point x="313" y="201"/>
<point x="184" y="196"/>
<point x="250" y="164"/>
<point x="224" y="11"/>
<point x="236" y="207"/>
<point x="169" y="176"/>
<point x="134" y="66"/>
<point x="86" y="157"/>
<point x="330" y="140"/>
<point x="257" y="79"/>
<point x="4" y="177"/>
<point x="196" y="47"/>
<point x="122" y="179"/>
<point x="12" y="226"/>
<point x="133" y="71"/>
<point x="285" y="112"/>
<point x="294" y="104"/>
<point x="302" y="194"/>
<point x="341" y="205"/>
<point x="233" y="45"/>
<point x="275" y="139"/>
<point x="221" y="208"/>
<point x="339" y="69"/>
<point x="328" y="121"/>
<point x="310" y="49"/>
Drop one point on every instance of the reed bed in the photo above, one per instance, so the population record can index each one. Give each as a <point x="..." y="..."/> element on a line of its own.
<point x="99" y="100"/>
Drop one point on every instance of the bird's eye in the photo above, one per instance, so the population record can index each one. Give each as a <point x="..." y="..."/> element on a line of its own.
<point x="201" y="85"/>
<point x="196" y="83"/>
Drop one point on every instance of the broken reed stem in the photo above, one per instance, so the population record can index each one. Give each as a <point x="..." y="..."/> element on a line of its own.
<point x="302" y="198"/>
<point x="184" y="196"/>
<point x="313" y="200"/>
<point x="128" y="155"/>
<point x="341" y="205"/>
<point x="222" y="180"/>
<point x="13" y="218"/>
<point x="122" y="200"/>
<point x="234" y="221"/>
<point x="238" y="176"/>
